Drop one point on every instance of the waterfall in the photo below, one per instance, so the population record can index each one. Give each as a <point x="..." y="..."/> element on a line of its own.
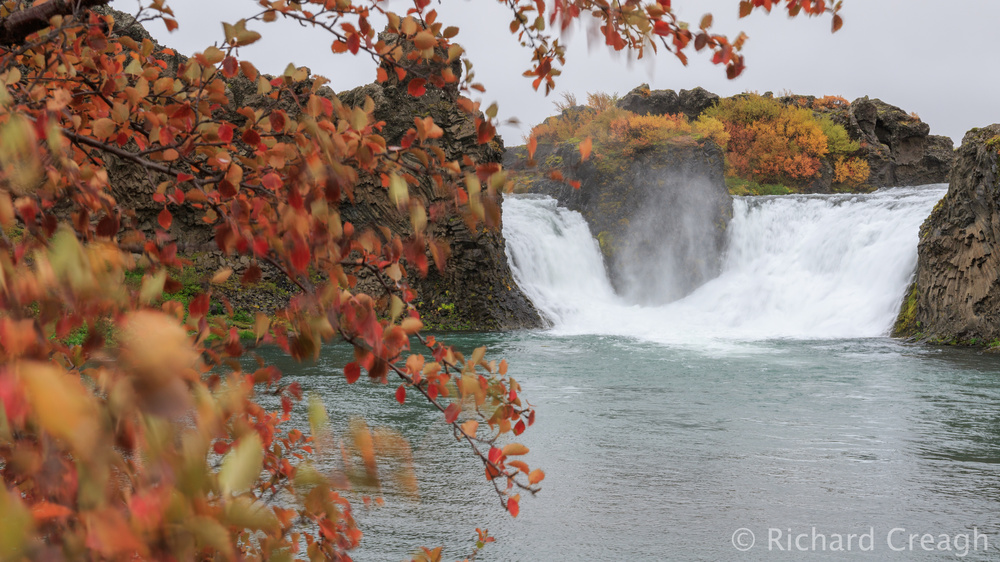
<point x="796" y="266"/>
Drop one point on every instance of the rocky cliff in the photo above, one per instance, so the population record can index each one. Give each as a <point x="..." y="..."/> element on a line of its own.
<point x="897" y="145"/>
<point x="659" y="216"/>
<point x="955" y="297"/>
<point x="476" y="291"/>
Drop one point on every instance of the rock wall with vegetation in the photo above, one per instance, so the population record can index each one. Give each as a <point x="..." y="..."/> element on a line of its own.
<point x="475" y="291"/>
<point x="477" y="271"/>
<point x="955" y="297"/>
<point x="884" y="146"/>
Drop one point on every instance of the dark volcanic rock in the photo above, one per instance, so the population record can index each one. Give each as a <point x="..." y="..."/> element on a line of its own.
<point x="477" y="290"/>
<point x="956" y="295"/>
<point x="660" y="217"/>
<point x="691" y="103"/>
<point x="898" y="146"/>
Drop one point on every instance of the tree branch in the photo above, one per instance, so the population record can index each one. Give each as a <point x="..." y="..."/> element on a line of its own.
<point x="23" y="23"/>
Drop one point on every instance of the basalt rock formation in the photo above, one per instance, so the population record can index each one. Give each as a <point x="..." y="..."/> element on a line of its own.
<point x="955" y="297"/>
<point x="476" y="291"/>
<point x="898" y="146"/>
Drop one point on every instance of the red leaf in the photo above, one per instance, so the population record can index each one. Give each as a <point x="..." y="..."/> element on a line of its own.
<point x="519" y="428"/>
<point x="401" y="394"/>
<point x="300" y="255"/>
<point x="230" y="67"/>
<point x="513" y="505"/>
<point x="416" y="87"/>
<point x="165" y="219"/>
<point x="251" y="137"/>
<point x="199" y="306"/>
<point x="272" y="181"/>
<point x="226" y="133"/>
<point x="352" y="372"/>
<point x="662" y="28"/>
<point x="495" y="455"/>
<point x="451" y="413"/>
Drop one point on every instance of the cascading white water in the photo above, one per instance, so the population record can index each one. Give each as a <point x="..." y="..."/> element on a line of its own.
<point x="800" y="266"/>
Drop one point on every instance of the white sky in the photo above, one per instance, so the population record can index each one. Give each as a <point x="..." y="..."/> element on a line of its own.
<point x="936" y="58"/>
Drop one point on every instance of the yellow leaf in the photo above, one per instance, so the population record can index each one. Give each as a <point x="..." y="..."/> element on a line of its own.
<point x="134" y="68"/>
<point x="242" y="466"/>
<point x="103" y="128"/>
<point x="214" y="55"/>
<point x="222" y="275"/>
<point x="61" y="404"/>
<point x="260" y="325"/>
<point x="245" y="513"/>
<point x="470" y="427"/>
<point x="411" y="325"/>
<point x="152" y="286"/>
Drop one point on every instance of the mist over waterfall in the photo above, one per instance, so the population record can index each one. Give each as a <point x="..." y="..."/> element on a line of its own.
<point x="797" y="266"/>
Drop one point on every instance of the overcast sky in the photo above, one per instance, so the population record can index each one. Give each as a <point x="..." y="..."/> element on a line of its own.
<point x="936" y="58"/>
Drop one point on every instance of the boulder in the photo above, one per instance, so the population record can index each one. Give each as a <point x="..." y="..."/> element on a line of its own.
<point x="898" y="146"/>
<point x="955" y="297"/>
<point x="691" y="103"/>
<point x="476" y="291"/>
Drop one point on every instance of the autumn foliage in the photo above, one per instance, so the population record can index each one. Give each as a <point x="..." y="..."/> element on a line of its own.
<point x="145" y="437"/>
<point x="776" y="143"/>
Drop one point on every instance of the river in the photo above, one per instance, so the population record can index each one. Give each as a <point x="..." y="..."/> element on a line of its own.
<point x="766" y="415"/>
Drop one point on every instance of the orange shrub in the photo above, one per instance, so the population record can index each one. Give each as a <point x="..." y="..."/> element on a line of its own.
<point x="769" y="142"/>
<point x="831" y="102"/>
<point x="852" y="171"/>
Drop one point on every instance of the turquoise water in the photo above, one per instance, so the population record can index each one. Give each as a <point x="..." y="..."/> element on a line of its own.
<point x="656" y="452"/>
<point x="765" y="415"/>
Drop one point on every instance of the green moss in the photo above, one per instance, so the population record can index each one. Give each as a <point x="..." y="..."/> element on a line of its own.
<point x="743" y="187"/>
<point x="906" y="323"/>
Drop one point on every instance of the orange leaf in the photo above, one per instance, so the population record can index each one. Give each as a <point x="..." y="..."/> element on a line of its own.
<point x="103" y="128"/>
<point x="536" y="476"/>
<point x="451" y="413"/>
<point x="515" y="449"/>
<point x="44" y="510"/>
<point x="585" y="147"/>
<point x="532" y="146"/>
<point x="165" y="219"/>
